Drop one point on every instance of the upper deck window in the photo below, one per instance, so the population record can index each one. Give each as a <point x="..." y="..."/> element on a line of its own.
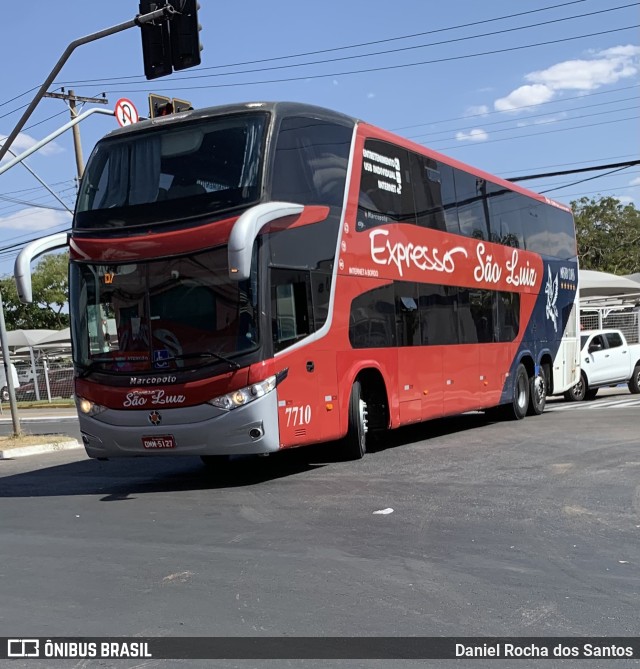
<point x="172" y="172"/>
<point x="310" y="165"/>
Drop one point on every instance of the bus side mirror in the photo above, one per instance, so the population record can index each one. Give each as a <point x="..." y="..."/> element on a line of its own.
<point x="22" y="266"/>
<point x="246" y="229"/>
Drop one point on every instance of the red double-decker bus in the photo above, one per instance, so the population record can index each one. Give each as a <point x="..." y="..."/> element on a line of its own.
<point x="255" y="277"/>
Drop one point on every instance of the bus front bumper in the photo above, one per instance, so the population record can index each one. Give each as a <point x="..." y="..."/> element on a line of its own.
<point x="198" y="430"/>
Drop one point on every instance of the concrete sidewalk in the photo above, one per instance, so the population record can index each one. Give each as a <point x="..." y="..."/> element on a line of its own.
<point x="44" y="415"/>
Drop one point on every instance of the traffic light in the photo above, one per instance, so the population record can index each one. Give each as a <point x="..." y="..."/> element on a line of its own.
<point x="181" y="105"/>
<point x="156" y="43"/>
<point x="184" y="33"/>
<point x="172" y="42"/>
<point x="159" y="106"/>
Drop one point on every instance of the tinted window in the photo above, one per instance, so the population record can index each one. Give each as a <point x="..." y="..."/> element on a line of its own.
<point x="613" y="339"/>
<point x="534" y="227"/>
<point x="431" y="189"/>
<point x="505" y="208"/>
<point x="562" y="241"/>
<point x="508" y="316"/>
<point x="311" y="160"/>
<point x="482" y="311"/>
<point x="172" y="172"/>
<point x="385" y="186"/>
<point x="372" y="319"/>
<point x="438" y="318"/>
<point x="472" y="205"/>
<point x="407" y="314"/>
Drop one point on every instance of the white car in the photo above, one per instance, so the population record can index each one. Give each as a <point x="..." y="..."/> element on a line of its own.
<point x="606" y="359"/>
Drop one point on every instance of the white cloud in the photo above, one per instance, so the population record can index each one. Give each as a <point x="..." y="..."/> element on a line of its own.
<point x="523" y="97"/>
<point x="625" y="199"/>
<point x="635" y="182"/>
<point x="477" y="110"/>
<point x="35" y="219"/>
<point x="602" y="68"/>
<point x="23" y="142"/>
<point x="371" y="95"/>
<point x="475" y="135"/>
<point x="336" y="82"/>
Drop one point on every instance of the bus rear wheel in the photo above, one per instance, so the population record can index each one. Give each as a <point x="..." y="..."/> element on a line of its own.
<point x="356" y="439"/>
<point x="520" y="401"/>
<point x="537" y="392"/>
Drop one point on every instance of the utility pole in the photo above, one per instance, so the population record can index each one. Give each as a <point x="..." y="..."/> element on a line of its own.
<point x="8" y="370"/>
<point x="72" y="98"/>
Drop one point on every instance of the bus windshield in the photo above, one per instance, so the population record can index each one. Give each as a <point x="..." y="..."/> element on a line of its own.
<point x="171" y="172"/>
<point x="180" y="313"/>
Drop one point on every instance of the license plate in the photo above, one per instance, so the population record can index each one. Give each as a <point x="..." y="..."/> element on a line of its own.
<point x="159" y="441"/>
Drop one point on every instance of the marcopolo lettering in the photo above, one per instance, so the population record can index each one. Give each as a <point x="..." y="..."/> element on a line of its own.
<point x="151" y="380"/>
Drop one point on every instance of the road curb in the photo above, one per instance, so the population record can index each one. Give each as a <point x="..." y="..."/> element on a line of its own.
<point x="22" y="451"/>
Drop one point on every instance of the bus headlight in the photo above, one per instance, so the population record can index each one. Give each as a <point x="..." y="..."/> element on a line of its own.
<point x="245" y="395"/>
<point x="89" y="408"/>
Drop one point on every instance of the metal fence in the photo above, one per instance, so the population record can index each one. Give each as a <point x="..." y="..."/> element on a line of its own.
<point x="53" y="381"/>
<point x="626" y="320"/>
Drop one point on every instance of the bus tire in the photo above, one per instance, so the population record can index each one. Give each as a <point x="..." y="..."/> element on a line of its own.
<point x="634" y="381"/>
<point x="577" y="393"/>
<point x="356" y="439"/>
<point x="590" y="394"/>
<point x="520" y="401"/>
<point x="537" y="393"/>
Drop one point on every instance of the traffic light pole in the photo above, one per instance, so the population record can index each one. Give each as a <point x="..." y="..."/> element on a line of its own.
<point x="165" y="12"/>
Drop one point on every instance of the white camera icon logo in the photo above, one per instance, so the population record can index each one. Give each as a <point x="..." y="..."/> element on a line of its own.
<point x="23" y="648"/>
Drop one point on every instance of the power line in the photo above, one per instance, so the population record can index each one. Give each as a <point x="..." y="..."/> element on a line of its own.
<point x="534" y="134"/>
<point x="395" y="67"/>
<point x="350" y="46"/>
<point x="524" y="118"/>
<point x="597" y="176"/>
<point x="543" y="175"/>
<point x="397" y="50"/>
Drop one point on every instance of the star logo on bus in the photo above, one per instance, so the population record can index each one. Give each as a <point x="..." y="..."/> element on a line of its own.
<point x="155" y="418"/>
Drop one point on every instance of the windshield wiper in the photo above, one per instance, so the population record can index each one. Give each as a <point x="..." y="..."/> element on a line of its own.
<point x="202" y="354"/>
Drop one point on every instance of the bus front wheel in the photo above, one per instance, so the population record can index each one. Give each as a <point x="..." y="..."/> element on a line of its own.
<point x="356" y="439"/>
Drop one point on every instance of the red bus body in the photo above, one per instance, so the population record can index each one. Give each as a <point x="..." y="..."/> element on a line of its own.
<point x="379" y="357"/>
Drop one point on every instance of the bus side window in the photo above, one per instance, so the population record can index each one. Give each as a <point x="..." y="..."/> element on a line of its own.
<point x="372" y="319"/>
<point x="472" y="205"/>
<point x="407" y="315"/>
<point x="505" y="208"/>
<point x="385" y="186"/>
<point x="432" y="188"/>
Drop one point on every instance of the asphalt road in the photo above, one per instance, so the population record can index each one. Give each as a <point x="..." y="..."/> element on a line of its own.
<point x="527" y="528"/>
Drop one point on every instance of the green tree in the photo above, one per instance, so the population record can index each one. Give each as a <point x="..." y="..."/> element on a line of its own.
<point x="50" y="296"/>
<point x="608" y="234"/>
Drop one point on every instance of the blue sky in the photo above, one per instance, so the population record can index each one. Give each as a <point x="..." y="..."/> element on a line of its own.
<point x="462" y="77"/>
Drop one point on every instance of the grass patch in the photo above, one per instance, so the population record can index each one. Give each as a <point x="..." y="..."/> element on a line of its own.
<point x="7" y="443"/>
